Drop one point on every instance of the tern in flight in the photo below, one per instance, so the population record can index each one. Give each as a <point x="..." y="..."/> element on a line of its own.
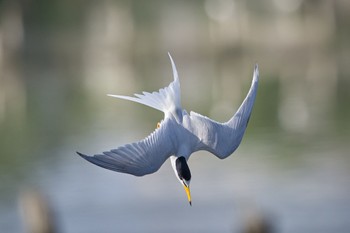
<point x="178" y="135"/>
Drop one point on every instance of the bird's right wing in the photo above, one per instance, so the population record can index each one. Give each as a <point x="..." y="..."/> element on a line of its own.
<point x="223" y="139"/>
<point x="139" y="158"/>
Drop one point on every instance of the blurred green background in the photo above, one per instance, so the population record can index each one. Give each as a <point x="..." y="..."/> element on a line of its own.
<point x="59" y="59"/>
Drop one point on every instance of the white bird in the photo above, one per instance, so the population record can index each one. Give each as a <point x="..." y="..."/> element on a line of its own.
<point x="178" y="135"/>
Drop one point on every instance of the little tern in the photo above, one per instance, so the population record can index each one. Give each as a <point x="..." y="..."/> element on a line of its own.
<point x="178" y="135"/>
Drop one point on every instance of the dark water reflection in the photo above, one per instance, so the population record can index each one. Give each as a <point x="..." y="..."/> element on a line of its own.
<point x="292" y="167"/>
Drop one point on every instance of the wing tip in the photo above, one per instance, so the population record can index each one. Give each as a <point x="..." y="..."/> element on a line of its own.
<point x="117" y="96"/>
<point x="256" y="72"/>
<point x="82" y="155"/>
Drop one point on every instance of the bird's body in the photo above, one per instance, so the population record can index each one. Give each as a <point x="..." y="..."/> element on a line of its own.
<point x="179" y="135"/>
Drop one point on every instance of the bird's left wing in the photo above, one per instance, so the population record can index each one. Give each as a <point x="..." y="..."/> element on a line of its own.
<point x="139" y="158"/>
<point x="223" y="139"/>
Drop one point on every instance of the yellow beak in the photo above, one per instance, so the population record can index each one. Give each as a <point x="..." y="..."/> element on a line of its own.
<point x="187" y="189"/>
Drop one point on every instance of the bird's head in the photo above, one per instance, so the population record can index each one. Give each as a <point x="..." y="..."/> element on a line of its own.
<point x="183" y="174"/>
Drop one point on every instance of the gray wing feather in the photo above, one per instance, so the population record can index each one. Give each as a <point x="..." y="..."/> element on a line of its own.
<point x="139" y="158"/>
<point x="223" y="139"/>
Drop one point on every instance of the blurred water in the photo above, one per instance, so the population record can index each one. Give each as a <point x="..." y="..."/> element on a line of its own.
<point x="292" y="167"/>
<point x="303" y="191"/>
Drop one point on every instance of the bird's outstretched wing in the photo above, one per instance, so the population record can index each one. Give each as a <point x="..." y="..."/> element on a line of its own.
<point x="139" y="158"/>
<point x="223" y="139"/>
<point x="166" y="99"/>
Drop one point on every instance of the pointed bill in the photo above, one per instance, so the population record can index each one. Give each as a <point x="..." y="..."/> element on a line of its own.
<point x="187" y="189"/>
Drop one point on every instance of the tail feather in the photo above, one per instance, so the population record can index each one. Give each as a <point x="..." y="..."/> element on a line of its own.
<point x="166" y="99"/>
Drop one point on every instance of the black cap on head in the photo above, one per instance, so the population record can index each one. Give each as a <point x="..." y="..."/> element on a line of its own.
<point x="182" y="168"/>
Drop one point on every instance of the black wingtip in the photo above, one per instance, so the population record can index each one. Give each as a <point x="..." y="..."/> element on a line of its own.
<point x="82" y="155"/>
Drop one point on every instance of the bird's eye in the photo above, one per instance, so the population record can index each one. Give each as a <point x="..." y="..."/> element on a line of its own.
<point x="158" y="125"/>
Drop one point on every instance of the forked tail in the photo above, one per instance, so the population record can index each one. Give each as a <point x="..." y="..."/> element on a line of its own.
<point x="166" y="99"/>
